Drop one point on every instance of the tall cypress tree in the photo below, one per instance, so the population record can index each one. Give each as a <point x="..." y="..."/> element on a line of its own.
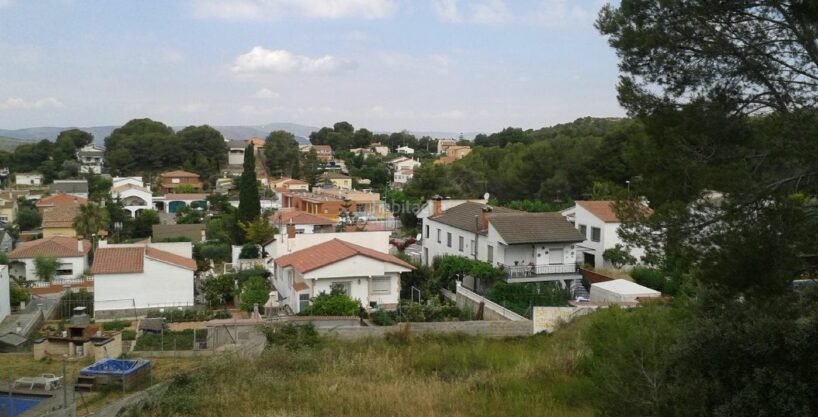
<point x="249" y="201"/>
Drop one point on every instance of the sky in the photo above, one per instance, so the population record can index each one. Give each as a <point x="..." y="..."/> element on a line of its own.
<point x="421" y="65"/>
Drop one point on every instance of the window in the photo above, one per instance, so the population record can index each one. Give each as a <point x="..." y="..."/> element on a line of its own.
<point x="427" y="231"/>
<point x="460" y="243"/>
<point x="381" y="285"/>
<point x="303" y="302"/>
<point x="596" y="234"/>
<point x="65" y="270"/>
<point x="175" y="180"/>
<point x="439" y="233"/>
<point x="344" y="287"/>
<point x="448" y="239"/>
<point x="584" y="230"/>
<point x="473" y="248"/>
<point x="490" y="258"/>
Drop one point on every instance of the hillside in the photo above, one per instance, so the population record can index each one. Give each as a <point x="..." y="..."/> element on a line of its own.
<point x="9" y="144"/>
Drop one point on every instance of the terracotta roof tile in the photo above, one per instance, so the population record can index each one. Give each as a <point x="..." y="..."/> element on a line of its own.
<point x="330" y="252"/>
<point x="170" y="258"/>
<point x="61" y="215"/>
<point x="59" y="198"/>
<point x="113" y="260"/>
<point x="286" y="216"/>
<point x="602" y="209"/>
<point x="61" y="246"/>
<point x="179" y="173"/>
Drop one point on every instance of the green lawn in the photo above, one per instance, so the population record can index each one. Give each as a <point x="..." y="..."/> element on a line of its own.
<point x="401" y="376"/>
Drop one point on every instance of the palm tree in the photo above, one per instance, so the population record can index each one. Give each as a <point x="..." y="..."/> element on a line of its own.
<point x="90" y="220"/>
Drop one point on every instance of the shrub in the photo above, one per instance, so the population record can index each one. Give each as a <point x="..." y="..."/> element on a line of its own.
<point x="220" y="289"/>
<point x="290" y="336"/>
<point x="431" y="311"/>
<point x="383" y="318"/>
<point x="18" y="294"/>
<point x="222" y="314"/>
<point x="448" y="268"/>
<point x="129" y="334"/>
<point x="175" y="315"/>
<point x="655" y="279"/>
<point x="207" y="251"/>
<point x="249" y="251"/>
<point x="521" y="297"/>
<point x="255" y="290"/>
<point x="336" y="303"/>
<point x="181" y="340"/>
<point x="618" y="256"/>
<point x="115" y="325"/>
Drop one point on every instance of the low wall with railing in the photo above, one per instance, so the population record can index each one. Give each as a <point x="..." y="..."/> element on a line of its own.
<point x="467" y="299"/>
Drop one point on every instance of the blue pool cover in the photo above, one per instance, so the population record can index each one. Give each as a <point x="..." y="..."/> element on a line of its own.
<point x="114" y="367"/>
<point x="21" y="403"/>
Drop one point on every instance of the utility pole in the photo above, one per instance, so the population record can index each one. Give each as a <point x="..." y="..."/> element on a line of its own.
<point x="64" y="383"/>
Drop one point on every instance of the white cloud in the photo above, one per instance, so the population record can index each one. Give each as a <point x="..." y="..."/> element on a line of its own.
<point x="447" y="10"/>
<point x="559" y="13"/>
<point x="357" y="36"/>
<point x="491" y="12"/>
<point x="436" y="63"/>
<point x="266" y="93"/>
<point x="278" y="9"/>
<point x="13" y="103"/>
<point x="260" y="59"/>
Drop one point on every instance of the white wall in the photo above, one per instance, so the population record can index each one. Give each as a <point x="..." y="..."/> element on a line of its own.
<point x="24" y="179"/>
<point x="609" y="237"/>
<point x="78" y="264"/>
<point x="159" y="285"/>
<point x="5" y="297"/>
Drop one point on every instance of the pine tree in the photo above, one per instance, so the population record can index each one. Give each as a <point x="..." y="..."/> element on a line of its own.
<point x="249" y="201"/>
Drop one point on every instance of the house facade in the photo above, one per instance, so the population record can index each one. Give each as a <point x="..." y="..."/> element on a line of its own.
<point x="142" y="277"/>
<point x="235" y="151"/>
<point x="134" y="197"/>
<point x="324" y="152"/>
<point x="325" y="206"/>
<point x="529" y="247"/>
<point x="363" y="204"/>
<point x="8" y="207"/>
<point x="91" y="158"/>
<point x="337" y="180"/>
<point x="599" y="225"/>
<point x="28" y="179"/>
<point x="173" y="179"/>
<point x="71" y="254"/>
<point x="400" y="178"/>
<point x="403" y="162"/>
<point x="58" y="220"/>
<point x="366" y="275"/>
<point x="302" y="222"/>
<point x="406" y="150"/>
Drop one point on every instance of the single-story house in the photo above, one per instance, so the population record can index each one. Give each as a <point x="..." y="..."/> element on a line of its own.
<point x="71" y="254"/>
<point x="28" y="178"/>
<point x="367" y="275"/>
<point x="141" y="277"/>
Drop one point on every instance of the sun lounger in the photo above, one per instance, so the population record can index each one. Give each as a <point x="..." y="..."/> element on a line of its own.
<point x="48" y="381"/>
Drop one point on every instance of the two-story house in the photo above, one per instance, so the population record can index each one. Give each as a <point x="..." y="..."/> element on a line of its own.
<point x="173" y="179"/>
<point x="132" y="193"/>
<point x="91" y="159"/>
<point x="529" y="247"/>
<point x="598" y="224"/>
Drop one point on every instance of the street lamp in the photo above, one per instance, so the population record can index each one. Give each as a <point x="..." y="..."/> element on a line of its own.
<point x="628" y="182"/>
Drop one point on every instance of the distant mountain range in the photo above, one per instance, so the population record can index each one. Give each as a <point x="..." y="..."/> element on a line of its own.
<point x="12" y="138"/>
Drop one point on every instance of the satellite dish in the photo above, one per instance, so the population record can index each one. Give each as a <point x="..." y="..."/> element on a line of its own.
<point x="486" y="196"/>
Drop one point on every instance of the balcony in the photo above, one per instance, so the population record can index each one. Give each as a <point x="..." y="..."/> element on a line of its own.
<point x="540" y="272"/>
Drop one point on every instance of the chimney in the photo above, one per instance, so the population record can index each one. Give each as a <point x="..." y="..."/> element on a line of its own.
<point x="484" y="218"/>
<point x="79" y="245"/>
<point x="290" y="230"/>
<point x="437" y="205"/>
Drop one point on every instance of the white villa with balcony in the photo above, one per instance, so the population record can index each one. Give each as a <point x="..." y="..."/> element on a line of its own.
<point x="530" y="247"/>
<point x="132" y="193"/>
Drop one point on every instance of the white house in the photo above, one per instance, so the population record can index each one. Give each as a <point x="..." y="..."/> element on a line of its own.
<point x="403" y="162"/>
<point x="400" y="178"/>
<point x="530" y="247"/>
<point x="134" y="197"/>
<point x="406" y="150"/>
<point x="28" y="178"/>
<point x="288" y="240"/>
<point x="140" y="277"/>
<point x="304" y="223"/>
<point x="91" y="158"/>
<point x="430" y="207"/>
<point x="5" y="297"/>
<point x="71" y="254"/>
<point x="235" y="151"/>
<point x="599" y="225"/>
<point x="369" y="276"/>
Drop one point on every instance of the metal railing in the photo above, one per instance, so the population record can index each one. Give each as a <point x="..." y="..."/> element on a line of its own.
<point x="526" y="271"/>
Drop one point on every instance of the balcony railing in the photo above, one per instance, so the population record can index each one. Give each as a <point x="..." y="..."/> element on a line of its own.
<point x="531" y="271"/>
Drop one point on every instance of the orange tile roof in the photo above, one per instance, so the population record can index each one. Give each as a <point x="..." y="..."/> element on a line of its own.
<point x="257" y="141"/>
<point x="170" y="258"/>
<point x="112" y="260"/>
<point x="131" y="259"/>
<point x="286" y="216"/>
<point x="179" y="173"/>
<point x="59" y="198"/>
<point x="602" y="209"/>
<point x="330" y="252"/>
<point x="61" y="246"/>
<point x="61" y="215"/>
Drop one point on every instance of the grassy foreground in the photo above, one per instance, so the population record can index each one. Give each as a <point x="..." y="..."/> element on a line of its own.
<point x="400" y="376"/>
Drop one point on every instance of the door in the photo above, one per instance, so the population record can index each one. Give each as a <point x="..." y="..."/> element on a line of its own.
<point x="589" y="259"/>
<point x="555" y="256"/>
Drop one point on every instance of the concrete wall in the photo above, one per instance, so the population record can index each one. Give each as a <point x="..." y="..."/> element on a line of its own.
<point x="111" y="348"/>
<point x="159" y="285"/>
<point x="5" y="297"/>
<point x="468" y="300"/>
<point x="548" y="319"/>
<point x="498" y="329"/>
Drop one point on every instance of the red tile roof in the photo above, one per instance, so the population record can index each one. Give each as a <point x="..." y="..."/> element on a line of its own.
<point x="131" y="259"/>
<point x="122" y="260"/>
<point x="286" y="216"/>
<point x="59" y="198"/>
<point x="60" y="246"/>
<point x="170" y="258"/>
<point x="179" y="173"/>
<point x="61" y="215"/>
<point x="602" y="209"/>
<point x="330" y="252"/>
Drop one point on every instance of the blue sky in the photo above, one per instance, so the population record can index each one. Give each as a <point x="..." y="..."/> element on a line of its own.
<point x="450" y="65"/>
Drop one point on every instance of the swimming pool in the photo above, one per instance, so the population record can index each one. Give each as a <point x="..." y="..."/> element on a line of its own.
<point x="21" y="403"/>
